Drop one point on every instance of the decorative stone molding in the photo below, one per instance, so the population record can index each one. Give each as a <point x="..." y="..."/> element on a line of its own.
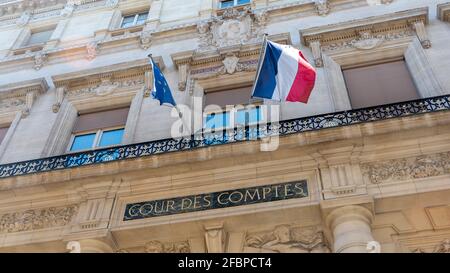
<point x="36" y="219"/>
<point x="194" y="65"/>
<point x="21" y="96"/>
<point x="444" y="12"/>
<point x="322" y="7"/>
<point x="288" y="239"/>
<point x="366" y="34"/>
<point x="442" y="247"/>
<point x="407" y="168"/>
<point x="102" y="82"/>
<point x="159" y="247"/>
<point x="40" y="58"/>
<point x="233" y="27"/>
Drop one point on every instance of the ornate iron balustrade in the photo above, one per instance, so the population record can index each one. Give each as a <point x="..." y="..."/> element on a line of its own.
<point x="287" y="127"/>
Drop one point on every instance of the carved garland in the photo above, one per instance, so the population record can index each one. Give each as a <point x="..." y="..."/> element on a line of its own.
<point x="407" y="168"/>
<point x="36" y="219"/>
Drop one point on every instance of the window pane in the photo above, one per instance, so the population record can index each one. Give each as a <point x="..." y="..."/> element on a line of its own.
<point x="83" y="142"/>
<point x="113" y="137"/>
<point x="217" y="120"/>
<point x="141" y="18"/>
<point x="227" y="3"/>
<point x="248" y="116"/>
<point x="128" y="21"/>
<point x="379" y="84"/>
<point x="242" y="2"/>
<point x="39" y="37"/>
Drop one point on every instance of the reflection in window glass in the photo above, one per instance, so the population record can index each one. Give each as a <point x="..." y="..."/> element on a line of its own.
<point x="217" y="120"/>
<point x="83" y="142"/>
<point x="141" y="18"/>
<point x="248" y="116"/>
<point x="112" y="137"/>
<point x="128" y="21"/>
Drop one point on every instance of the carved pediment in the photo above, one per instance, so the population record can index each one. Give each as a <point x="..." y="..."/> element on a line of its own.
<point x="444" y="12"/>
<point x="21" y="96"/>
<point x="288" y="239"/>
<point x="367" y="34"/>
<point x="122" y="79"/>
<point x="196" y="65"/>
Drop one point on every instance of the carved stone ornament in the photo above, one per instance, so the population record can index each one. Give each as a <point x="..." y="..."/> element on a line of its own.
<point x="322" y="7"/>
<point x="442" y="247"/>
<point x="233" y="27"/>
<point x="69" y="8"/>
<point x="158" y="247"/>
<point x="367" y="41"/>
<point x="40" y="58"/>
<point x="288" y="239"/>
<point x="36" y="219"/>
<point x="91" y="50"/>
<point x="106" y="87"/>
<point x="407" y="168"/>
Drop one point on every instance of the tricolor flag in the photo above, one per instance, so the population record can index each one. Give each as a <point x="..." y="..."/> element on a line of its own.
<point x="160" y="89"/>
<point x="283" y="74"/>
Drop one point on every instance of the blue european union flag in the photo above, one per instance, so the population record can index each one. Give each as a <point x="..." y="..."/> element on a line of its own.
<point x="161" y="90"/>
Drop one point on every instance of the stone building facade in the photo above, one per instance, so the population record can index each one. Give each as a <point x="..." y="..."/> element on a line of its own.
<point x="365" y="164"/>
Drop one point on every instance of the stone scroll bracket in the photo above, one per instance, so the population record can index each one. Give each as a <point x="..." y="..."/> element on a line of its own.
<point x="215" y="236"/>
<point x="421" y="32"/>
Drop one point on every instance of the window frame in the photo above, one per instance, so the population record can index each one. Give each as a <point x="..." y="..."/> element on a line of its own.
<point x="233" y="115"/>
<point x="26" y="43"/>
<point x="135" y="20"/>
<point x="97" y="139"/>
<point x="235" y="4"/>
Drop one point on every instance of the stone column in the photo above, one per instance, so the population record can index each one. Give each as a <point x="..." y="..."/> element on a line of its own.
<point x="351" y="229"/>
<point x="95" y="246"/>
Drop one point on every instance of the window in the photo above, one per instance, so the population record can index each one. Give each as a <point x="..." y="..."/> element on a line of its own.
<point x="240" y="116"/>
<point x="3" y="131"/>
<point x="39" y="37"/>
<point x="100" y="129"/>
<point x="134" y="20"/>
<point x="379" y="84"/>
<point x="231" y="3"/>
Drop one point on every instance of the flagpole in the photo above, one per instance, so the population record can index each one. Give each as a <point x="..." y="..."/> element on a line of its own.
<point x="261" y="56"/>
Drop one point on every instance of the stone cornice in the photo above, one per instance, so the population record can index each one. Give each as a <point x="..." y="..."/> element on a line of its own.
<point x="350" y="30"/>
<point x="22" y="88"/>
<point x="443" y="12"/>
<point x="194" y="58"/>
<point x="117" y="72"/>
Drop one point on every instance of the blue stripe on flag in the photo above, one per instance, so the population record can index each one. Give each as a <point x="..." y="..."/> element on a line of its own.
<point x="266" y="81"/>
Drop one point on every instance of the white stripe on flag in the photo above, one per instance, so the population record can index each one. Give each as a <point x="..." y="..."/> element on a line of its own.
<point x="287" y="71"/>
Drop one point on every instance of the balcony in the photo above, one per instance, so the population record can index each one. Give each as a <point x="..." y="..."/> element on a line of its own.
<point x="241" y="134"/>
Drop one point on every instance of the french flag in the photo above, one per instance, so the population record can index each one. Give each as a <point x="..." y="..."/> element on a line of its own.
<point x="284" y="74"/>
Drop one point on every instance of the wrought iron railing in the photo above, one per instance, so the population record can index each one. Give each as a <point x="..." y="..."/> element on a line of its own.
<point x="293" y="126"/>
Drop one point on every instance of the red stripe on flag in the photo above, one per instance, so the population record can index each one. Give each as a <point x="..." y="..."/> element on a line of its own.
<point x="303" y="83"/>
